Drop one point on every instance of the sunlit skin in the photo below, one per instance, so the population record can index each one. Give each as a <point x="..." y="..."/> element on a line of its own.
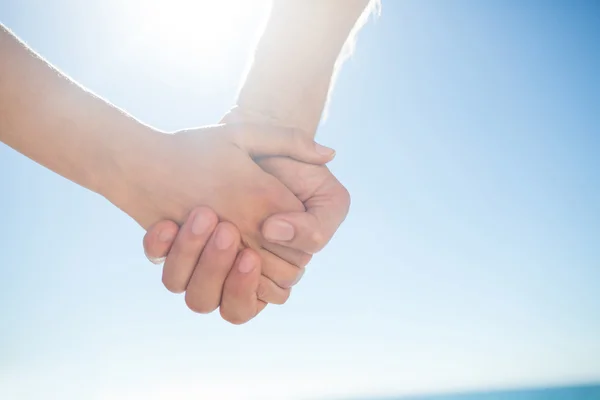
<point x="307" y="73"/>
<point x="263" y="209"/>
<point x="143" y="171"/>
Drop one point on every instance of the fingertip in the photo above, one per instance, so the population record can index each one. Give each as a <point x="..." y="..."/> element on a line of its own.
<point x="324" y="152"/>
<point x="226" y="236"/>
<point x="249" y="260"/>
<point x="307" y="150"/>
<point x="234" y="319"/>
<point x="206" y="215"/>
<point x="239" y="303"/>
<point x="159" y="239"/>
<point x="205" y="210"/>
<point x="167" y="231"/>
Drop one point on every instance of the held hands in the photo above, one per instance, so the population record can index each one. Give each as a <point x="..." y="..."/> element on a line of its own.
<point x="209" y="262"/>
<point x="292" y="235"/>
<point x="214" y="166"/>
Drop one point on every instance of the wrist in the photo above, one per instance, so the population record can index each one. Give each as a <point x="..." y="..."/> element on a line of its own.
<point x="299" y="106"/>
<point x="306" y="79"/>
<point x="130" y="166"/>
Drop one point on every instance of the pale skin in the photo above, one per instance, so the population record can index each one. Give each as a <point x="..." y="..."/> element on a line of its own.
<point x="150" y="175"/>
<point x="298" y="51"/>
<point x="145" y="172"/>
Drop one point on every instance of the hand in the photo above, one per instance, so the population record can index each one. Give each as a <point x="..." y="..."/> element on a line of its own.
<point x="210" y="264"/>
<point x="327" y="203"/>
<point x="170" y="174"/>
<point x="325" y="199"/>
<point x="224" y="178"/>
<point x="243" y="297"/>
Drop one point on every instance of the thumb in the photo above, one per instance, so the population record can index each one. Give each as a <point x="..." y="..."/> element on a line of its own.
<point x="269" y="140"/>
<point x="159" y="239"/>
<point x="308" y="231"/>
<point x="239" y="302"/>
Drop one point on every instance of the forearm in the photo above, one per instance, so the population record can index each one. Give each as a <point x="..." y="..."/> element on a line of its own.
<point x="295" y="60"/>
<point x="56" y="123"/>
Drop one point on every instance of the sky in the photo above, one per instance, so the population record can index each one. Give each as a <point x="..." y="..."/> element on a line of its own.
<point x="468" y="135"/>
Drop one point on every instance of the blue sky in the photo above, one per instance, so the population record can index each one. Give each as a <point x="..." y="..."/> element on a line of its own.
<point x="468" y="134"/>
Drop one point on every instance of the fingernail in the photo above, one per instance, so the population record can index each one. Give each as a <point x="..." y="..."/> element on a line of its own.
<point x="200" y="224"/>
<point x="224" y="238"/>
<point x="246" y="264"/>
<point x="156" y="260"/>
<point x="279" y="230"/>
<point x="324" y="151"/>
<point x="165" y="236"/>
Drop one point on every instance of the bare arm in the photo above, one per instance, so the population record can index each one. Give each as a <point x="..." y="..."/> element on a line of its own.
<point x="56" y="123"/>
<point x="143" y="171"/>
<point x="297" y="57"/>
<point x="288" y="83"/>
<point x="301" y="50"/>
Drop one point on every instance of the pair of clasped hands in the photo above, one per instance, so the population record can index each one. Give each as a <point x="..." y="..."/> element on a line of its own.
<point x="258" y="202"/>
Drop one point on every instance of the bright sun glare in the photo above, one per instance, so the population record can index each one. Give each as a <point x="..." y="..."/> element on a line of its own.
<point x="194" y="30"/>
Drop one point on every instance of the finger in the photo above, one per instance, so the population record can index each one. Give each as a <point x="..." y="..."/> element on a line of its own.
<point x="261" y="306"/>
<point x="186" y="249"/>
<point x="203" y="292"/>
<point x="269" y="292"/>
<point x="269" y="140"/>
<point x="283" y="274"/>
<point x="304" y="231"/>
<point x="239" y="303"/>
<point x="295" y="257"/>
<point x="309" y="231"/>
<point x="159" y="239"/>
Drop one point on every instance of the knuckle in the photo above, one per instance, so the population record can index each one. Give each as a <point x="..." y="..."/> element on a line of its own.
<point x="299" y="276"/>
<point x="345" y="198"/>
<point x="303" y="260"/>
<point x="232" y="318"/>
<point x="197" y="304"/>
<point x="171" y="284"/>
<point x="188" y="248"/>
<point x="278" y="272"/>
<point x="317" y="241"/>
<point x="267" y="292"/>
<point x="262" y="290"/>
<point x="283" y="297"/>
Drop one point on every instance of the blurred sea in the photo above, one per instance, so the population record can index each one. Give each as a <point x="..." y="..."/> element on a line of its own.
<point x="583" y="392"/>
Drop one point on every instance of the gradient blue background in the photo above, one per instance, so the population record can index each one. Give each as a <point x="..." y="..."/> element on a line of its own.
<point x="468" y="133"/>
